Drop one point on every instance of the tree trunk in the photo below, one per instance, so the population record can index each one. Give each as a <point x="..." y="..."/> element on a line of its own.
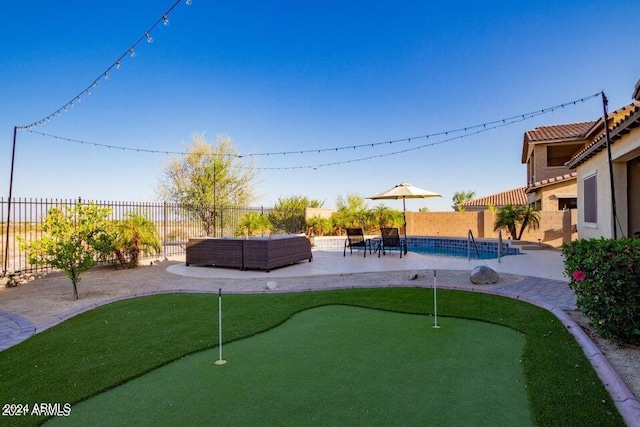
<point x="74" y="281"/>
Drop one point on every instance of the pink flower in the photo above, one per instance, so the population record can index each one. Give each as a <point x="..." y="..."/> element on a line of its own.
<point x="579" y="276"/>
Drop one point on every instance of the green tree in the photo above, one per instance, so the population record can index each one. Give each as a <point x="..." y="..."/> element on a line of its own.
<point x="510" y="217"/>
<point x="253" y="224"/>
<point x="460" y="198"/>
<point x="133" y="236"/>
<point x="288" y="213"/>
<point x="74" y="238"/>
<point x="207" y="178"/>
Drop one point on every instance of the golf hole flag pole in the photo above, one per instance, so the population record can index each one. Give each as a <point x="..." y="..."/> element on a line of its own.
<point x="404" y="191"/>
<point x="435" y="302"/>
<point x="220" y="360"/>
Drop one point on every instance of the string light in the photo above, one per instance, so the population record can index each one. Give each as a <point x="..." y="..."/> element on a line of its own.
<point x="477" y="129"/>
<point x="105" y="74"/>
<point x="518" y="117"/>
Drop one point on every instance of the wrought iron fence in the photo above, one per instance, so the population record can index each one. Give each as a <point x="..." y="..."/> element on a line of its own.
<point x="175" y="224"/>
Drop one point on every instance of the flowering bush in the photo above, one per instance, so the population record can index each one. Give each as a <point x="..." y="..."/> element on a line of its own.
<point x="605" y="275"/>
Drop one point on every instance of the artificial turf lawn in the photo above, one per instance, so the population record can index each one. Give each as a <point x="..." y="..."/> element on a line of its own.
<point x="334" y="365"/>
<point x="110" y="345"/>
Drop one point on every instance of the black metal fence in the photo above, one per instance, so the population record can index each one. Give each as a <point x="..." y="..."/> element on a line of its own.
<point x="175" y="224"/>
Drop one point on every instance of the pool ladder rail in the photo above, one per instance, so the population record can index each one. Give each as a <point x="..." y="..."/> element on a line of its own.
<point x="470" y="240"/>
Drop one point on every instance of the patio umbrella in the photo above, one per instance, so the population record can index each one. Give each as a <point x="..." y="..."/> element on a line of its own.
<point x="404" y="191"/>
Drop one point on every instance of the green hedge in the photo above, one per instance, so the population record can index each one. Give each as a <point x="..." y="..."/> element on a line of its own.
<point x="605" y="275"/>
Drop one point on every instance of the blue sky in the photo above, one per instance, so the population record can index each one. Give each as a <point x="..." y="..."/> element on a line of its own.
<point x="286" y="76"/>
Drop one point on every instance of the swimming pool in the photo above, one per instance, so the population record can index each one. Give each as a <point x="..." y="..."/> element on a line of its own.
<point x="450" y="246"/>
<point x="438" y="246"/>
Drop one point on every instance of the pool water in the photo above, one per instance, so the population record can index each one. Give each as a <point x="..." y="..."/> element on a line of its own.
<point x="438" y="246"/>
<point x="455" y="252"/>
<point x="457" y="248"/>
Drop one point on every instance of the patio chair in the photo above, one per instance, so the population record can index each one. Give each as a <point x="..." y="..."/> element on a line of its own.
<point x="356" y="240"/>
<point x="391" y="240"/>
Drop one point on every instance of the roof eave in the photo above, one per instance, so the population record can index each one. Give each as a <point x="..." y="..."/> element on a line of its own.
<point x="599" y="144"/>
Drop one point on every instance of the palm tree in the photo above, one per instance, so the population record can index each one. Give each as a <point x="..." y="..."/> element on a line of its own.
<point x="384" y="216"/>
<point x="135" y="235"/>
<point x="460" y="197"/>
<point x="253" y="224"/>
<point x="529" y="217"/>
<point x="351" y="212"/>
<point x="317" y="226"/>
<point x="507" y="217"/>
<point x="511" y="216"/>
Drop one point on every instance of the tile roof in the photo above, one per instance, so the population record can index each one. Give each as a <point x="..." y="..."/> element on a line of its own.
<point x="622" y="120"/>
<point x="565" y="131"/>
<point x="550" y="181"/>
<point x="556" y="133"/>
<point x="516" y="197"/>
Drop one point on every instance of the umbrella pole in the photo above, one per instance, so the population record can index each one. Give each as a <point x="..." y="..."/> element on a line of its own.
<point x="404" y="215"/>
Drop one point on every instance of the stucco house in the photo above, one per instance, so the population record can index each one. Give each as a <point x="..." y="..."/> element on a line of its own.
<point x="551" y="185"/>
<point x="610" y="208"/>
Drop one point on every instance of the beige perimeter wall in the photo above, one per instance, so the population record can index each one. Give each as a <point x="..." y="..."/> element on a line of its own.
<point x="556" y="227"/>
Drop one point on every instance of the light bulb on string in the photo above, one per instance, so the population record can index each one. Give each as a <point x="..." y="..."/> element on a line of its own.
<point x="88" y="91"/>
<point x="118" y="64"/>
<point x="106" y="75"/>
<point x="149" y="38"/>
<point x="165" y="20"/>
<point x="132" y="52"/>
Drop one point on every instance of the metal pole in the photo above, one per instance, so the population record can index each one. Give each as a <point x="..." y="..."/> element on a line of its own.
<point x="404" y="216"/>
<point x="220" y="360"/>
<point x="435" y="301"/>
<point x="6" y="247"/>
<point x="613" y="189"/>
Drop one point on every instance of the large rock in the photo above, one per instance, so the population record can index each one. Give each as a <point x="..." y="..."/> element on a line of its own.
<point x="483" y="275"/>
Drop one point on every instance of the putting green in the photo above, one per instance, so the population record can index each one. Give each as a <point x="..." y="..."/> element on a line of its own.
<point x="333" y="365"/>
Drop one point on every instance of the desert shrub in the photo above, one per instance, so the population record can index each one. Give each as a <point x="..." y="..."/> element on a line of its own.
<point x="605" y="275"/>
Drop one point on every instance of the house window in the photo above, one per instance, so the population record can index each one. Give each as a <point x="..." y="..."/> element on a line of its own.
<point x="590" y="200"/>
<point x="565" y="203"/>
<point x="560" y="154"/>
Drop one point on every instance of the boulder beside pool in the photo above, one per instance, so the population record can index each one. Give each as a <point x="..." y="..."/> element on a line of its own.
<point x="483" y="275"/>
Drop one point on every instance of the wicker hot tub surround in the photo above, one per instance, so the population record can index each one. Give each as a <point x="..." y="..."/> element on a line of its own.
<point x="259" y="253"/>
